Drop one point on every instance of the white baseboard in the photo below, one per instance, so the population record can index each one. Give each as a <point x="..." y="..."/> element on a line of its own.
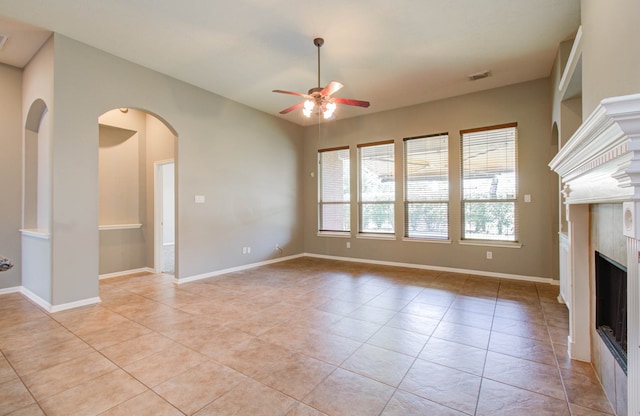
<point x="5" y="291"/>
<point x="440" y="269"/>
<point x="126" y="272"/>
<point x="235" y="269"/>
<point x="56" y="308"/>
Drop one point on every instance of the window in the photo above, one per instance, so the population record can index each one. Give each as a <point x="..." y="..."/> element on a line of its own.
<point x="334" y="190"/>
<point x="426" y="193"/>
<point x="377" y="187"/>
<point x="489" y="183"/>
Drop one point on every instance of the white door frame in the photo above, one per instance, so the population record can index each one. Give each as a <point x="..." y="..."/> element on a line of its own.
<point x="159" y="213"/>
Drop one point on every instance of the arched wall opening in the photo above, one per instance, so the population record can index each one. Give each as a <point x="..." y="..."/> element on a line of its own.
<point x="36" y="204"/>
<point x="131" y="144"/>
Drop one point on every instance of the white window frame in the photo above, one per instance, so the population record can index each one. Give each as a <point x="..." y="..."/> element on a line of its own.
<point x="490" y="194"/>
<point x="326" y="202"/>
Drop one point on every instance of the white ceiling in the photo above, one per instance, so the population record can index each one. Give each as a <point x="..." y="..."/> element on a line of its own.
<point x="391" y="53"/>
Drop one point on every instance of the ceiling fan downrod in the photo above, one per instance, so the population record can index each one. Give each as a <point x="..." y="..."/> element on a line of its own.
<point x="318" y="42"/>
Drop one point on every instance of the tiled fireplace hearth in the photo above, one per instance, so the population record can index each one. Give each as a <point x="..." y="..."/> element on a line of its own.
<point x="600" y="164"/>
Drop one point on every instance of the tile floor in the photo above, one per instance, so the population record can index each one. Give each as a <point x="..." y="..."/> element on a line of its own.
<point x="302" y="337"/>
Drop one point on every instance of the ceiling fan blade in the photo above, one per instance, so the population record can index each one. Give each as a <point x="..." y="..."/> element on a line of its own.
<point x="331" y="88"/>
<point x="349" y="101"/>
<point x="299" y="94"/>
<point x="293" y="107"/>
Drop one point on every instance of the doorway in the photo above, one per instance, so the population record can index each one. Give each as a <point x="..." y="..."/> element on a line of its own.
<point x="164" y="222"/>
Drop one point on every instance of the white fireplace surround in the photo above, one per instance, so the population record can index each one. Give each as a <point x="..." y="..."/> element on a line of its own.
<point x="601" y="164"/>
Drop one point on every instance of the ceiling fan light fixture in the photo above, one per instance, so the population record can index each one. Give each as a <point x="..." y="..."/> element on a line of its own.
<point x="308" y="108"/>
<point x="328" y="110"/>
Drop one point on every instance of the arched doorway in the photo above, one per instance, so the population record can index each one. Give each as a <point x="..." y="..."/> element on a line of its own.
<point x="131" y="143"/>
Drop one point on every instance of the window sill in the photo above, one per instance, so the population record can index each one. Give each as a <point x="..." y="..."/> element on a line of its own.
<point x="376" y="236"/>
<point x="485" y="243"/>
<point x="425" y="240"/>
<point x="339" y="234"/>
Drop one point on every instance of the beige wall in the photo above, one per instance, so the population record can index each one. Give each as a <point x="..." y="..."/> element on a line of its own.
<point x="246" y="164"/>
<point x="10" y="172"/>
<point x="611" y="50"/>
<point x="528" y="104"/>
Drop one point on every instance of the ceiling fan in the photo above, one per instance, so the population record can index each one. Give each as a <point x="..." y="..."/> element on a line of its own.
<point x="320" y="98"/>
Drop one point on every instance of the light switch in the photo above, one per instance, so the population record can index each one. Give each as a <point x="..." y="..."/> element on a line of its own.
<point x="527" y="198"/>
<point x="199" y="199"/>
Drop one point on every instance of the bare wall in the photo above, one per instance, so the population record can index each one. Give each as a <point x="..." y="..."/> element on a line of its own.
<point x="244" y="162"/>
<point x="528" y="104"/>
<point x="10" y="172"/>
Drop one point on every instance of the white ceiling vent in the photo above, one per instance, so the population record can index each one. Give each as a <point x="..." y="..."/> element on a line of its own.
<point x="479" y="75"/>
<point x="3" y="40"/>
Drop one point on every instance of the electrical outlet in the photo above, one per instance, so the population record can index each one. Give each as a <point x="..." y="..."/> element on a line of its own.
<point x="489" y="255"/>
<point x="348" y="244"/>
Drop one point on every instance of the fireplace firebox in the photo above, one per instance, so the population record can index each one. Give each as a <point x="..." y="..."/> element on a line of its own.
<point x="611" y="306"/>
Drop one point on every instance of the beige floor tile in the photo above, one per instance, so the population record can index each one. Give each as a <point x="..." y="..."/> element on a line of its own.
<point x="443" y="385"/>
<point x="43" y="356"/>
<point x="399" y="340"/>
<point x="455" y="355"/>
<point x="380" y="364"/>
<point x="327" y="347"/>
<point x="530" y="375"/>
<point x="497" y="399"/>
<point x="164" y="364"/>
<point x="584" y="389"/>
<point x="31" y="410"/>
<point x="462" y="334"/>
<point x="349" y="394"/>
<point x="413" y="323"/>
<point x="355" y="329"/>
<point x="264" y="401"/>
<point x="407" y="404"/>
<point x="583" y="411"/>
<point x="94" y="396"/>
<point x="114" y="334"/>
<point x="53" y="380"/>
<point x="6" y="371"/>
<point x="14" y="396"/>
<point x="372" y="314"/>
<point x="302" y="409"/>
<point x="425" y="310"/>
<point x="252" y="355"/>
<point x="468" y="318"/>
<point x="291" y="325"/>
<point x="201" y="385"/>
<point x="521" y="329"/>
<point x="526" y="348"/>
<point x="295" y="375"/>
<point x="145" y="404"/>
<point x="135" y="349"/>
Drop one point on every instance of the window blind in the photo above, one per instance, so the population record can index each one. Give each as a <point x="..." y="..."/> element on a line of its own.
<point x="426" y="168"/>
<point x="489" y="182"/>
<point x="334" y="196"/>
<point x="377" y="187"/>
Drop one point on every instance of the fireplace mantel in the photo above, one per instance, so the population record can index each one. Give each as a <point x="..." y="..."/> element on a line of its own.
<point x="601" y="164"/>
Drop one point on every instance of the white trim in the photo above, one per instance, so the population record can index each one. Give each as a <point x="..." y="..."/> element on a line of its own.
<point x="376" y="236"/>
<point x="76" y="304"/>
<point x="490" y="243"/>
<point x="173" y="243"/>
<point x="35" y="233"/>
<point x="6" y="291"/>
<point x="339" y="234"/>
<point x="126" y="272"/>
<point x="234" y="269"/>
<point x="119" y="227"/>
<point x="35" y="299"/>
<point x="425" y="240"/>
<point x="438" y="268"/>
<point x="56" y="308"/>
<point x="572" y="61"/>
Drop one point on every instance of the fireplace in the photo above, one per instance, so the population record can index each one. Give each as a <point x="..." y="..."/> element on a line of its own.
<point x="611" y="306"/>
